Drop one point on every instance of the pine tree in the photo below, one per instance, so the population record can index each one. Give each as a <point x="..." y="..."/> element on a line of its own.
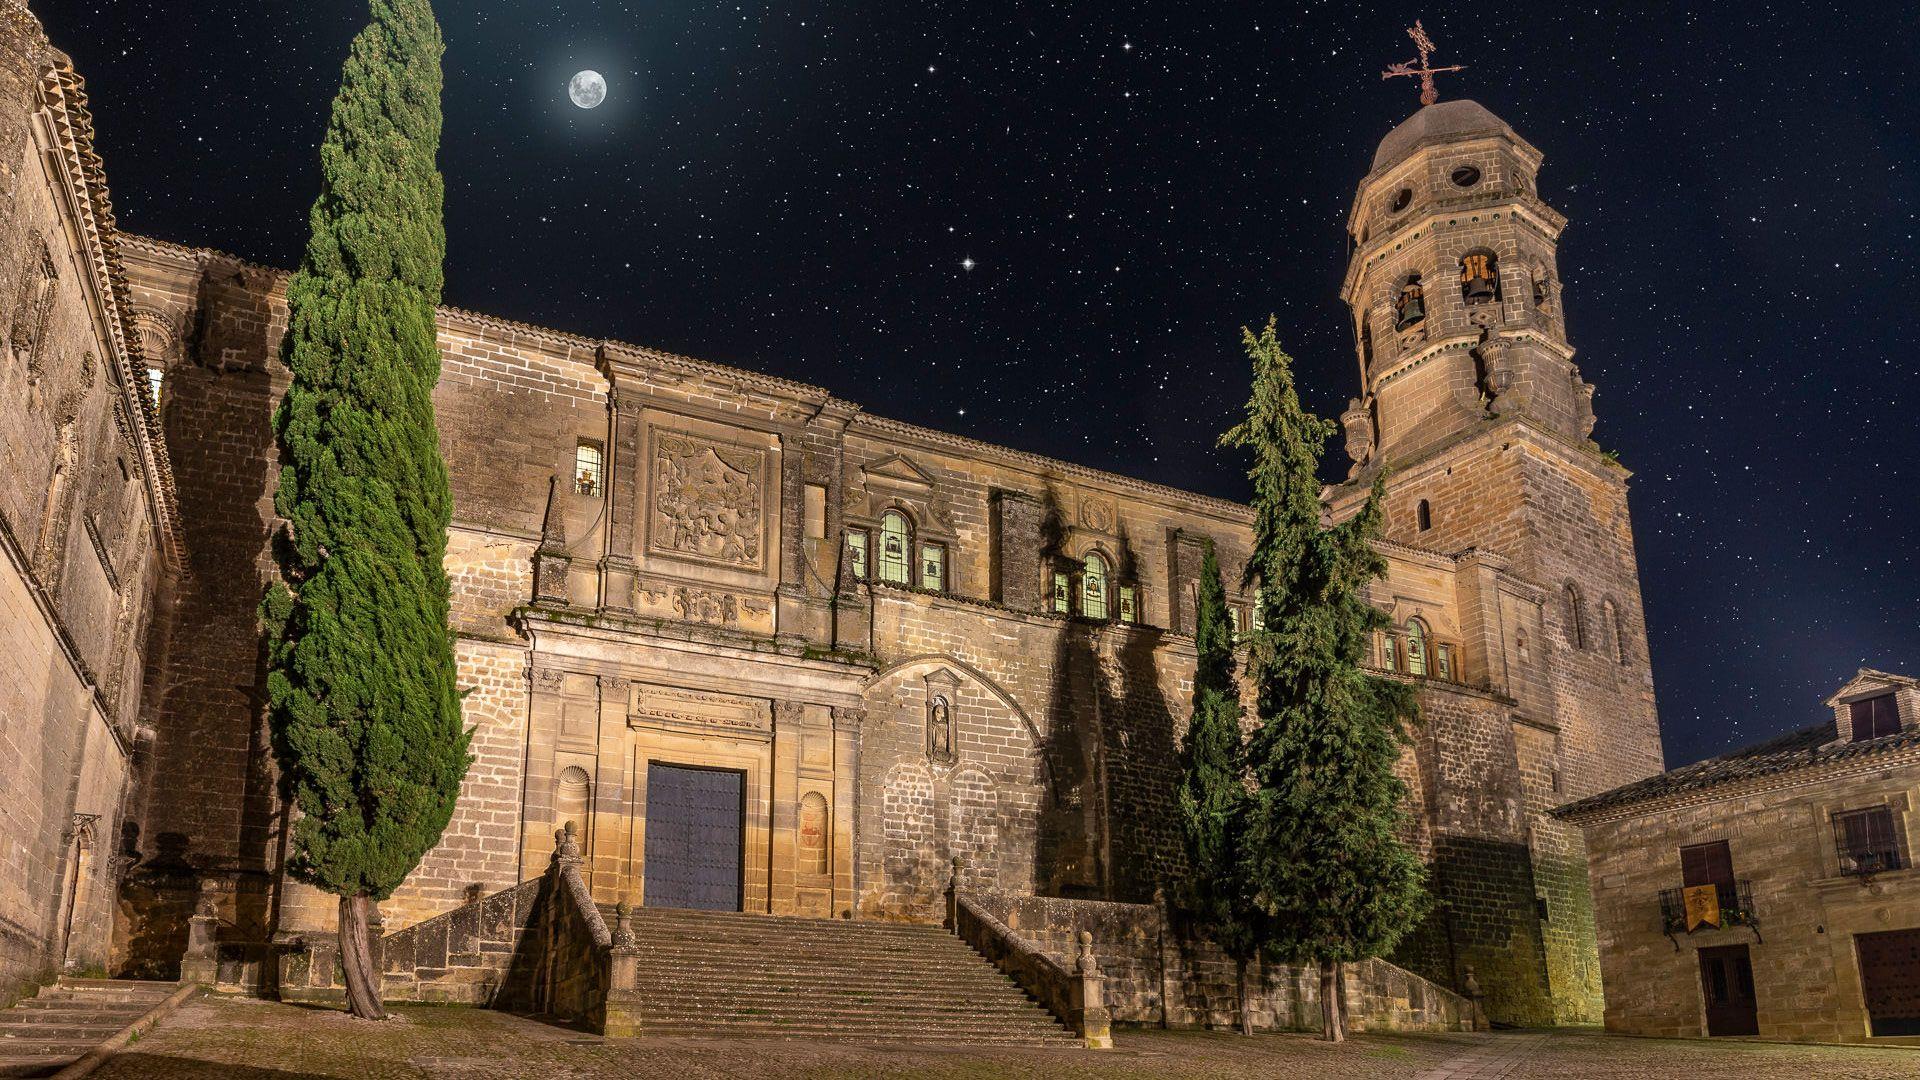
<point x="361" y="687"/>
<point x="1322" y="853"/>
<point x="1213" y="790"/>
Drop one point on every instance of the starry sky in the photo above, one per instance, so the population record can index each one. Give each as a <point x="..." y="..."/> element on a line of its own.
<point x="1042" y="225"/>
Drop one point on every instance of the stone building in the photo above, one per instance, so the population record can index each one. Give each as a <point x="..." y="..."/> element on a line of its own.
<point x="1771" y="891"/>
<point x="770" y="651"/>
<point x="87" y="526"/>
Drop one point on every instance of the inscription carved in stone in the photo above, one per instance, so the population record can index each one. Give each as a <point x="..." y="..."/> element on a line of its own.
<point x="671" y="707"/>
<point x="706" y="500"/>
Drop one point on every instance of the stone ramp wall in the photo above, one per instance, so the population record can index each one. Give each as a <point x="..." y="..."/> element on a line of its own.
<point x="467" y="955"/>
<point x="1157" y="975"/>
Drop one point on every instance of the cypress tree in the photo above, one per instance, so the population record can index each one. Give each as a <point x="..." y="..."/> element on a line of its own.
<point x="360" y="678"/>
<point x="1213" y="790"/>
<point x="1322" y="853"/>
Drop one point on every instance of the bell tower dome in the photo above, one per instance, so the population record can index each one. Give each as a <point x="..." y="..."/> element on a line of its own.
<point x="1455" y="291"/>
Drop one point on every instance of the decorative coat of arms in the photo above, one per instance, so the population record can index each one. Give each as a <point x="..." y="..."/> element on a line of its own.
<point x="706" y="500"/>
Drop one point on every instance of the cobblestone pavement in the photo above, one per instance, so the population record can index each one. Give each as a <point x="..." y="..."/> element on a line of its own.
<point x="257" y="1040"/>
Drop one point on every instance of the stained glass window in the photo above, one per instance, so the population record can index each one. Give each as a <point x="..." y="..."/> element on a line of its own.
<point x="933" y="567"/>
<point x="857" y="551"/>
<point x="1443" y="661"/>
<point x="1093" y="588"/>
<point x="1062" y="592"/>
<point x="1416" y="647"/>
<point x="893" y="547"/>
<point x="1389" y="652"/>
<point x="1129" y="604"/>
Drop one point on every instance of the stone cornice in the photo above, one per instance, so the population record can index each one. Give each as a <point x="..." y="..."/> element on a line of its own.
<point x="83" y="178"/>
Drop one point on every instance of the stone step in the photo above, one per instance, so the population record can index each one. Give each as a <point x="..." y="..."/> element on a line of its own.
<point x="34" y="1047"/>
<point x="1057" y="1036"/>
<point x="680" y="990"/>
<point x="89" y="1004"/>
<point x="14" y="1019"/>
<point x="785" y="1003"/>
<point x="93" y="1032"/>
<point x="695" y="976"/>
<point x="888" y="1024"/>
<point x="786" y="926"/>
<point x="817" y="966"/>
<point x="145" y="986"/>
<point x="35" y="1064"/>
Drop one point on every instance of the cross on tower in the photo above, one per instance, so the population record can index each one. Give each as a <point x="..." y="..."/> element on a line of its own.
<point x="1424" y="45"/>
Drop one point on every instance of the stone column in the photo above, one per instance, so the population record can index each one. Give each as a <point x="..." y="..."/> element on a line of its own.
<point x="846" y="788"/>
<point x="608" y="836"/>
<point x="784" y="781"/>
<point x="624" y="482"/>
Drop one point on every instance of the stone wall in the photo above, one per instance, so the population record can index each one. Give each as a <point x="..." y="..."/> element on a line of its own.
<point x="1159" y="975"/>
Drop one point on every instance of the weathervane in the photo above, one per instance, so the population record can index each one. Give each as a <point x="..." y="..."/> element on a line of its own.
<point x="1424" y="44"/>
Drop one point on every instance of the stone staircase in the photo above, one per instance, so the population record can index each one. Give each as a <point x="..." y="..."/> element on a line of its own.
<point x="728" y="973"/>
<point x="42" y="1034"/>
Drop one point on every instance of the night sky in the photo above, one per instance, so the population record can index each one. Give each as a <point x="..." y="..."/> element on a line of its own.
<point x="1042" y="225"/>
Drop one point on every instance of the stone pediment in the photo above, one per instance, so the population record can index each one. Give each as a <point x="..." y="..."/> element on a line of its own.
<point x="1868" y="682"/>
<point x="898" y="472"/>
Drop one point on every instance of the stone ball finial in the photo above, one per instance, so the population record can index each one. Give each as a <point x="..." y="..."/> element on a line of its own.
<point x="1087" y="963"/>
<point x="623" y="923"/>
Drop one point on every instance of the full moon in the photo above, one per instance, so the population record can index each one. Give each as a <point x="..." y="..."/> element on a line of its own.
<point x="587" y="89"/>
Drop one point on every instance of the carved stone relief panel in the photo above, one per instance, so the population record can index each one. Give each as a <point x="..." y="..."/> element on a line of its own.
<point x="709" y="500"/>
<point x="699" y="711"/>
<point x="665" y="598"/>
<point x="1096" y="513"/>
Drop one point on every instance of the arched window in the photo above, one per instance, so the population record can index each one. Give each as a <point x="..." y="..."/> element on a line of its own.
<point x="1093" y="587"/>
<point x="1416" y="647"/>
<point x="1423" y="515"/>
<point x="1410" y="306"/>
<point x="1479" y="277"/>
<point x="1576" y="619"/>
<point x="1611" y="616"/>
<point x="894" y="544"/>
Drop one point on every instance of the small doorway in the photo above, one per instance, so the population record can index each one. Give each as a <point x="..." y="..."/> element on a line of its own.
<point x="695" y="830"/>
<point x="1726" y="978"/>
<point x="1890" y="978"/>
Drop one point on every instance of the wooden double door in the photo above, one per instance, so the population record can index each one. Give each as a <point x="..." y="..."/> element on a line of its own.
<point x="696" y="824"/>
<point x="1726" y="981"/>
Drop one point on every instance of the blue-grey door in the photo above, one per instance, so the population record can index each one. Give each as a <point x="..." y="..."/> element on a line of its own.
<point x="695" y="820"/>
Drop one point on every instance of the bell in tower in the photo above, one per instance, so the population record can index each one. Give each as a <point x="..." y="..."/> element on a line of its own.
<point x="1479" y="282"/>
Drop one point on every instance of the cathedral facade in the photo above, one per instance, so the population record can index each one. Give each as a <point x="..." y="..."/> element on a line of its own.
<point x="766" y="650"/>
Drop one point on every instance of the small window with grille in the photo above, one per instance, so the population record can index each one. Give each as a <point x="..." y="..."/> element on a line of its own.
<point x="1865" y="841"/>
<point x="1062" y="593"/>
<point x="587" y="464"/>
<point x="1129" y="604"/>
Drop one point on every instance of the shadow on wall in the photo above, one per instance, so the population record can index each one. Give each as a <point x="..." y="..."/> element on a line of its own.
<point x="209" y="797"/>
<point x="1502" y="942"/>
<point x="1110" y="741"/>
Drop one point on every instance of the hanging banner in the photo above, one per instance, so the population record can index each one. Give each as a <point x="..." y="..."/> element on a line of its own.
<point x="1703" y="906"/>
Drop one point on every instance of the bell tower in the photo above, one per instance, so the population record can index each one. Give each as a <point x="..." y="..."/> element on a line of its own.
<point x="1472" y="405"/>
<point x="1455" y="291"/>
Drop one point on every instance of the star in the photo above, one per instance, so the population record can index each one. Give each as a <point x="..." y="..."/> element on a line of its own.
<point x="967" y="263"/>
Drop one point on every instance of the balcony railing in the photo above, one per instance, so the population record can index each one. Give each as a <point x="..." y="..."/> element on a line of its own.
<point x="1736" y="907"/>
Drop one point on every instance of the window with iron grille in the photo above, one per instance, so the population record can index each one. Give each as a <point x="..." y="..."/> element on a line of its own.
<point x="586" y="469"/>
<point x="1865" y="841"/>
<point x="1874" y="717"/>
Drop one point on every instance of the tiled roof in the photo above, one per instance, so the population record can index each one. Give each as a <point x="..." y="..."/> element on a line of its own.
<point x="1807" y="749"/>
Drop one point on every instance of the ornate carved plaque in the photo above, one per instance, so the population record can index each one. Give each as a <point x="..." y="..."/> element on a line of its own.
<point x="708" y="502"/>
<point x="1096" y="513"/>
<point x="699" y="711"/>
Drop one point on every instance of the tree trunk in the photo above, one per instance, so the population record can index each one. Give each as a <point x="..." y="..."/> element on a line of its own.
<point x="1246" y="1011"/>
<point x="356" y="958"/>
<point x="1332" y="1015"/>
